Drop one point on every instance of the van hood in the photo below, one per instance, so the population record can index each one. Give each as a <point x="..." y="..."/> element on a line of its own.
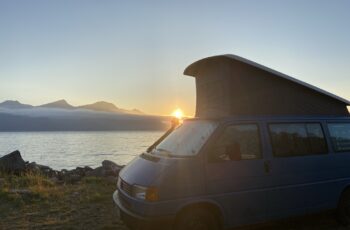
<point x="143" y="171"/>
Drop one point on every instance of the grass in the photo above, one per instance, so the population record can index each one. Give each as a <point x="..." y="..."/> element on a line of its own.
<point x="89" y="205"/>
<point x="45" y="205"/>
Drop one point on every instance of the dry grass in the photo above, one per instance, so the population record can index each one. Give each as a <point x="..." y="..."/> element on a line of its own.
<point x="87" y="205"/>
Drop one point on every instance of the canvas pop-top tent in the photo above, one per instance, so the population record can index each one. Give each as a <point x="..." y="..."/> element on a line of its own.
<point x="229" y="85"/>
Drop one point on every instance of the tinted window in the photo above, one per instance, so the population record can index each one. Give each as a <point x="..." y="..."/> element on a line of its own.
<point x="296" y="139"/>
<point x="237" y="142"/>
<point x="340" y="135"/>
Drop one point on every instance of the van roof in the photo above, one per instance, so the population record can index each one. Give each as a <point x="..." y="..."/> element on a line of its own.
<point x="274" y="117"/>
<point x="194" y="68"/>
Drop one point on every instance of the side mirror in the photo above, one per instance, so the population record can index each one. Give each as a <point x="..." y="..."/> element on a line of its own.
<point x="234" y="151"/>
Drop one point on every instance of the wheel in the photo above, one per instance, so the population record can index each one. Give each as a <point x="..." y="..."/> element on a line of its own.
<point x="343" y="211"/>
<point x="197" y="219"/>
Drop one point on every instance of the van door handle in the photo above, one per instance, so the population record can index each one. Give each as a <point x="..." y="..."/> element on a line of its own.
<point x="267" y="166"/>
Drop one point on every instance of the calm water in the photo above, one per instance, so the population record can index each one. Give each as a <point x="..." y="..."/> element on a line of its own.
<point x="71" y="149"/>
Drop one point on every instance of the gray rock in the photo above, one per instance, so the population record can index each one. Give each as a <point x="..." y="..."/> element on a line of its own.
<point x="44" y="167"/>
<point x="60" y="175"/>
<point x="110" y="164"/>
<point x="97" y="172"/>
<point x="87" y="169"/>
<point x="79" y="170"/>
<point x="111" y="168"/>
<point x="32" y="167"/>
<point x="12" y="162"/>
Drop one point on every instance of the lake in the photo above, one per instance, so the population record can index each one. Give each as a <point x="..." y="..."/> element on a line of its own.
<point x="67" y="150"/>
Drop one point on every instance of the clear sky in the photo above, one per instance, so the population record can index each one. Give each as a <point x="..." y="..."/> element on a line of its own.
<point x="133" y="53"/>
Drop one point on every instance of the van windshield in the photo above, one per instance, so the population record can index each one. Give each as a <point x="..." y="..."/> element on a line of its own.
<point x="186" y="140"/>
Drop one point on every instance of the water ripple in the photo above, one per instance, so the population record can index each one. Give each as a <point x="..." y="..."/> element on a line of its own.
<point x="71" y="149"/>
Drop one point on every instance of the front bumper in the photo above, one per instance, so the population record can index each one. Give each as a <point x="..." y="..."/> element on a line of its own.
<point x="134" y="220"/>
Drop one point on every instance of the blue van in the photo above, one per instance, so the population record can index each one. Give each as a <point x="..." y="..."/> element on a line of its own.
<point x="238" y="170"/>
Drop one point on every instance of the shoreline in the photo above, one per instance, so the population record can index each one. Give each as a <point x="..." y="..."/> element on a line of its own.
<point x="34" y="196"/>
<point x="13" y="163"/>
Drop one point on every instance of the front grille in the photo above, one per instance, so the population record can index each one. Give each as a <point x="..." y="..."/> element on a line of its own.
<point x="126" y="187"/>
<point x="123" y="201"/>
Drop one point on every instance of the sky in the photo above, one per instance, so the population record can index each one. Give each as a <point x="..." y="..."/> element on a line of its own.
<point x="133" y="53"/>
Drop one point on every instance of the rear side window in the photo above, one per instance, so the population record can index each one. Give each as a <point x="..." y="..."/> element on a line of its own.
<point x="297" y="139"/>
<point x="340" y="136"/>
<point x="237" y="142"/>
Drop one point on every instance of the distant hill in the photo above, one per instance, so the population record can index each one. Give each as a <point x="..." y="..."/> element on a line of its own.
<point x="101" y="106"/>
<point x="136" y="111"/>
<point x="14" y="105"/>
<point x="61" y="116"/>
<point x="62" y="104"/>
<point x="108" y="107"/>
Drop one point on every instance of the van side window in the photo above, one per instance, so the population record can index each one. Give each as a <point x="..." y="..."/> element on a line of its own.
<point x="237" y="142"/>
<point x="297" y="139"/>
<point x="340" y="136"/>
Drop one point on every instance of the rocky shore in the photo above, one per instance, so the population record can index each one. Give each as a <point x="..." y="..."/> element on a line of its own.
<point x="14" y="163"/>
<point x="34" y="196"/>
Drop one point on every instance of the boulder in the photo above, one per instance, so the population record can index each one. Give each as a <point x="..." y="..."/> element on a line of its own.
<point x="111" y="168"/>
<point x="69" y="176"/>
<point x="108" y="164"/>
<point x="80" y="171"/>
<point x="43" y="169"/>
<point x="87" y="169"/>
<point x="97" y="172"/>
<point x="12" y="162"/>
<point x="32" y="167"/>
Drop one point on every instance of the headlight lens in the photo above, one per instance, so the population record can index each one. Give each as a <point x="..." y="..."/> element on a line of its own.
<point x="145" y="193"/>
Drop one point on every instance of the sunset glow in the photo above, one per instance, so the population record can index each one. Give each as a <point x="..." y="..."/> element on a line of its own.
<point x="178" y="113"/>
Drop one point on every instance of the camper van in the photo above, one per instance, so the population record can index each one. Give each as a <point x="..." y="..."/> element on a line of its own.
<point x="263" y="146"/>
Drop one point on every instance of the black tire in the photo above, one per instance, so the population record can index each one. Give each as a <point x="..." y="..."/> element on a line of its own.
<point x="197" y="219"/>
<point x="343" y="211"/>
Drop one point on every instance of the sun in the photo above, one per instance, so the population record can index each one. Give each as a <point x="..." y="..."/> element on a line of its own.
<point x="178" y="113"/>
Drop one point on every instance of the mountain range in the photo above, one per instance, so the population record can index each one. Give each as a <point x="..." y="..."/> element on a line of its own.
<point x="101" y="106"/>
<point x="61" y="116"/>
<point x="14" y="105"/>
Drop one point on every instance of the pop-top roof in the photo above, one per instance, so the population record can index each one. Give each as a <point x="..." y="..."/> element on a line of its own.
<point x="194" y="69"/>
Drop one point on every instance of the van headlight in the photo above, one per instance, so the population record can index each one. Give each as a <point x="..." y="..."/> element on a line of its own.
<point x="145" y="193"/>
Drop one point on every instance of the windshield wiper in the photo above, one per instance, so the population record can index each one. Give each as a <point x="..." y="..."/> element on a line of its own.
<point x="164" y="152"/>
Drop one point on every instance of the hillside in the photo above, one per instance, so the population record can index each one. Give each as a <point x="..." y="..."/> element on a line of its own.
<point x="61" y="116"/>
